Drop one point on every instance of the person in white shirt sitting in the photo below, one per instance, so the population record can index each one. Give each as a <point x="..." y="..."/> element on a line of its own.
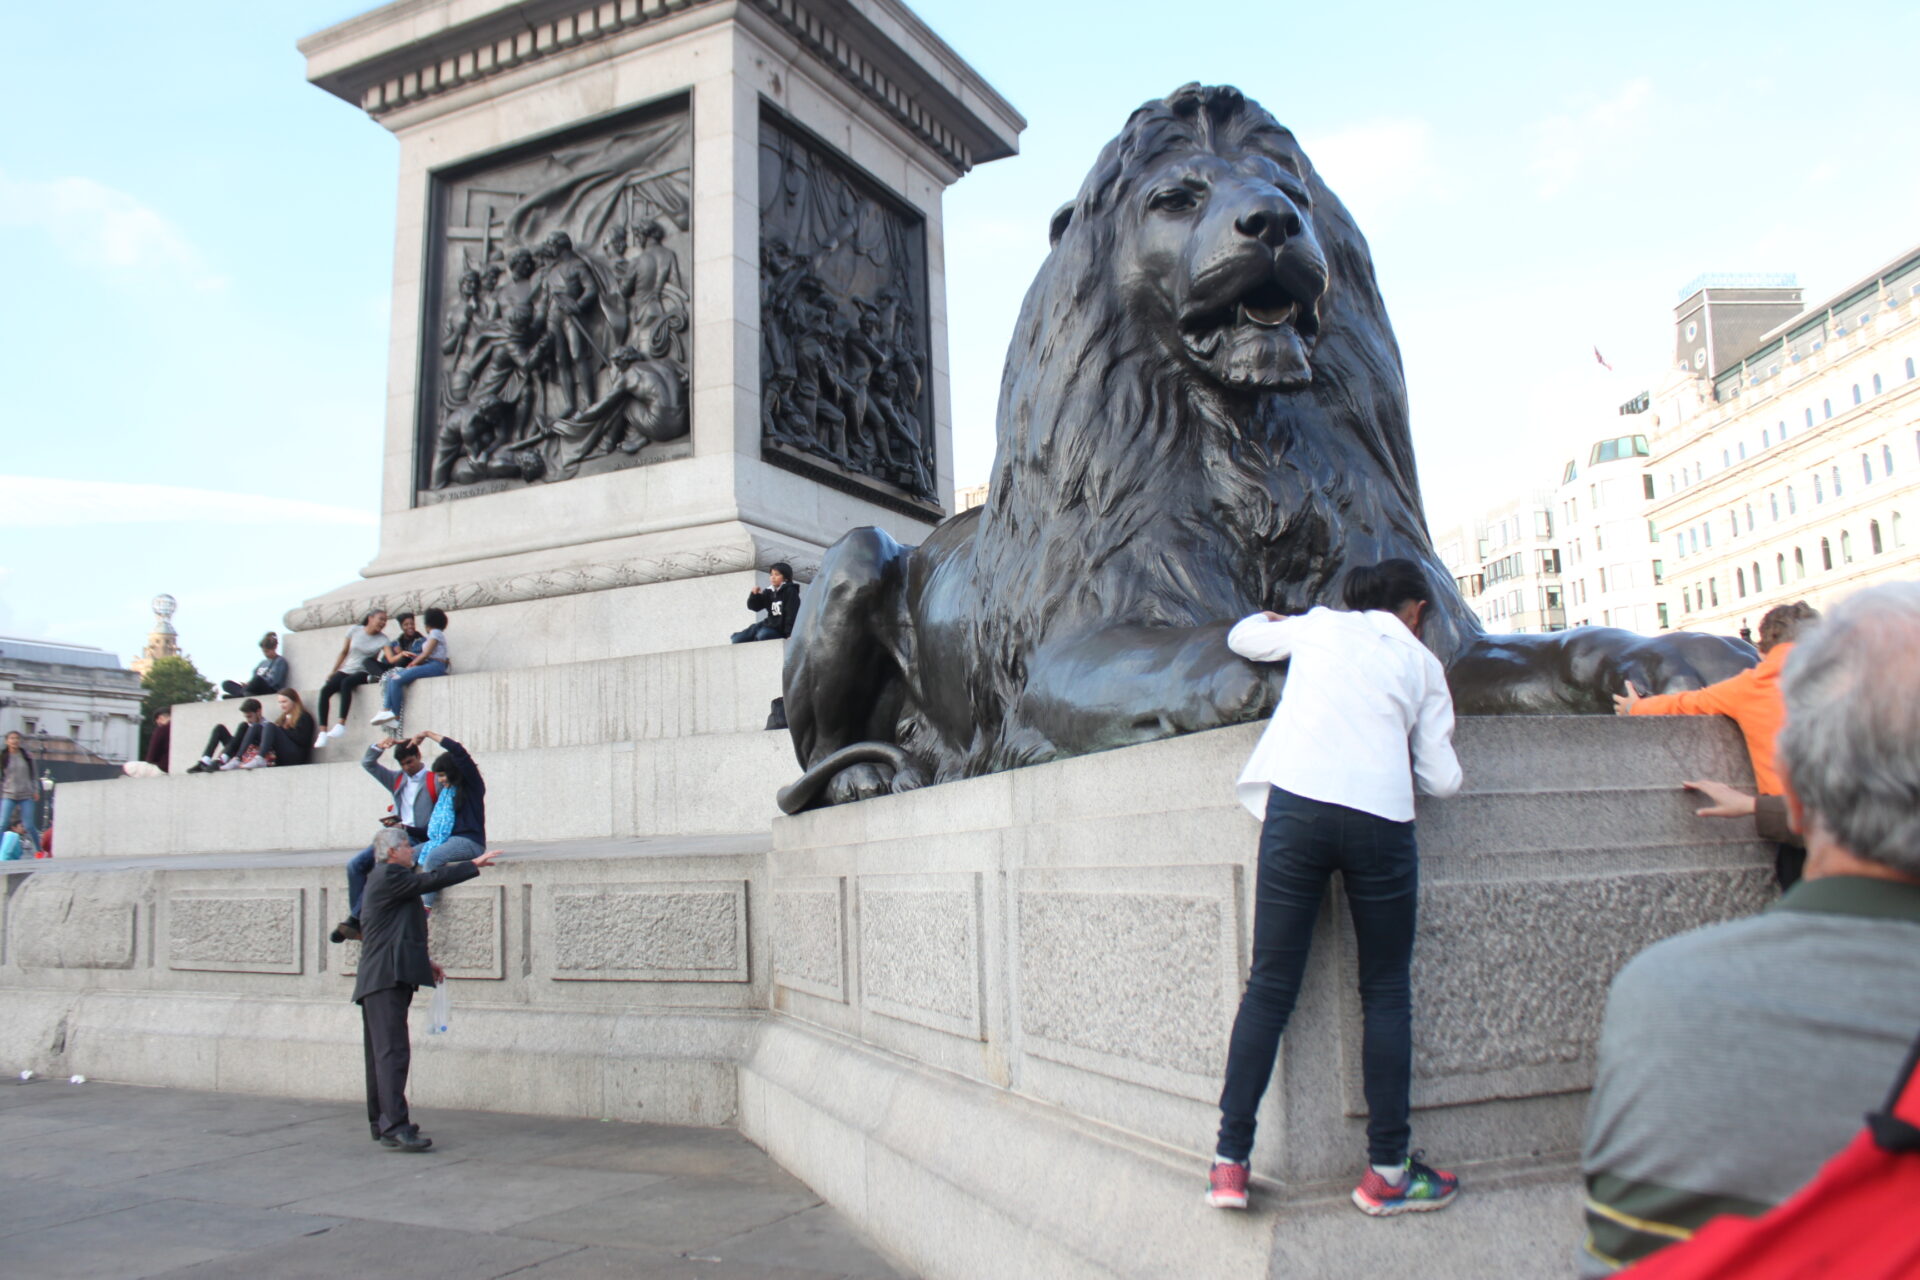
<point x="1365" y="712"/>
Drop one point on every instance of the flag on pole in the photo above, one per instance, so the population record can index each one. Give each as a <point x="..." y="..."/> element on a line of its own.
<point x="1602" y="359"/>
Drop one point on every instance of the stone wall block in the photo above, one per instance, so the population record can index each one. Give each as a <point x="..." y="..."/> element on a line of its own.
<point x="236" y="930"/>
<point x="466" y="934"/>
<point x="1510" y="977"/>
<point x="920" y="957"/>
<point x="810" y="936"/>
<point x="60" y="923"/>
<point x="667" y="931"/>
<point x="1133" y="973"/>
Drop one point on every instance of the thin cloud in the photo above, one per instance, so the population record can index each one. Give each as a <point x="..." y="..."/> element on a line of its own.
<point x="103" y="228"/>
<point x="1570" y="145"/>
<point x="1379" y="167"/>
<point x="32" y="502"/>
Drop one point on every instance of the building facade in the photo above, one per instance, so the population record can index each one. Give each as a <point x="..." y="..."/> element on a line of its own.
<point x="1507" y="565"/>
<point x="1791" y="469"/>
<point x="50" y="691"/>
<point x="1610" y="551"/>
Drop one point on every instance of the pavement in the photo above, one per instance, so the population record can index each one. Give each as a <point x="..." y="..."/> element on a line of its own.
<point x="115" y="1182"/>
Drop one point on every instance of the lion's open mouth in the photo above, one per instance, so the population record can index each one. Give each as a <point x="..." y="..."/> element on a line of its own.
<point x="1262" y="337"/>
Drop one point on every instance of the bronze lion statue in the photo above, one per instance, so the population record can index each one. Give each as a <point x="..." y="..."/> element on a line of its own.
<point x="1202" y="415"/>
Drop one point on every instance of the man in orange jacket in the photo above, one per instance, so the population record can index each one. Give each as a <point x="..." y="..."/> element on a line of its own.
<point x="1751" y="700"/>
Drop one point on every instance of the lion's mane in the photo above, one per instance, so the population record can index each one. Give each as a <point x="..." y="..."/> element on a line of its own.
<point x="1128" y="489"/>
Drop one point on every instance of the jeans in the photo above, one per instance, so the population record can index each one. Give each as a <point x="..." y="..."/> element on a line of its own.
<point x="761" y="630"/>
<point x="1302" y="843"/>
<point x="25" y="809"/>
<point x="394" y="691"/>
<point x="452" y="849"/>
<point x="358" y="869"/>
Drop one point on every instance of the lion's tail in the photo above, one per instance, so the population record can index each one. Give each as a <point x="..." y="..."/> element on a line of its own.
<point x="804" y="791"/>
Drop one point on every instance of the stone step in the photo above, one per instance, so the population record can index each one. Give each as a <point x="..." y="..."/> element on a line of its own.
<point x="709" y="783"/>
<point x="724" y="688"/>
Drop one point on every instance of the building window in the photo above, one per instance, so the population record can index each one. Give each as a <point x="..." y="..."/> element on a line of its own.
<point x="1819" y="494"/>
<point x="1756" y="577"/>
<point x="1909" y="368"/>
<point x="1899" y="539"/>
<point x="1686" y="600"/>
<point x="1693" y="541"/>
<point x="1646" y="487"/>
<point x="1799" y="563"/>
<point x="1743" y="450"/>
<point x="1876" y="384"/>
<point x="1809" y="417"/>
<point x="1659" y="572"/>
<point x="1773" y="505"/>
<point x="1793" y="503"/>
<point x="1749" y="517"/>
<point x="1599" y="538"/>
<point x="1706" y="533"/>
<point x="1873" y="537"/>
<point x="1740" y="582"/>
<point x="1766" y="437"/>
<point x="1836" y="481"/>
<point x="1856" y="393"/>
<point x="1603" y="579"/>
<point x="1664" y="624"/>
<point x="1726" y="459"/>
<point x="1826" y="554"/>
<point x="1713" y="592"/>
<point x="1699" y="471"/>
<point x="1886" y="459"/>
<point x="1866" y="467"/>
<point x="1780" y="568"/>
<point x="1733" y="522"/>
<point x="1846" y="546"/>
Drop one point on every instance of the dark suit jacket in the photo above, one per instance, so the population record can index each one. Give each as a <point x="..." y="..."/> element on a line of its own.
<point x="393" y="924"/>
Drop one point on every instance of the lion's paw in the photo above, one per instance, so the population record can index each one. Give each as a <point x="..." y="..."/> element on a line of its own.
<point x="859" y="782"/>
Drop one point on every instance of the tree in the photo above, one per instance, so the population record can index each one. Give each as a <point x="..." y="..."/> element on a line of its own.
<point x="169" y="681"/>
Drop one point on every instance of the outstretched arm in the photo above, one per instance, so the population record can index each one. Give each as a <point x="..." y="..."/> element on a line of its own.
<point x="1264" y="637"/>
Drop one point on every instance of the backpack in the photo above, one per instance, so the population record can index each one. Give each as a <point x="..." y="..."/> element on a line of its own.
<point x="1854" y="1221"/>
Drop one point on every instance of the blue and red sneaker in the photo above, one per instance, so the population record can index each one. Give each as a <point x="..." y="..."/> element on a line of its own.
<point x="1421" y="1189"/>
<point x="1227" y="1185"/>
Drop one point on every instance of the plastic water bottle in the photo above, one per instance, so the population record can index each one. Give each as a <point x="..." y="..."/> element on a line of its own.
<point x="440" y="1014"/>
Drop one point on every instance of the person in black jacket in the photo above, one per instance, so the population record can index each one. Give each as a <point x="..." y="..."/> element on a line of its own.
<point x="394" y="964"/>
<point x="457" y="825"/>
<point x="781" y="600"/>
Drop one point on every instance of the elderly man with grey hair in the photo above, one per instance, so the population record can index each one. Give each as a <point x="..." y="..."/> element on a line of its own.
<point x="394" y="964"/>
<point x="1737" y="1059"/>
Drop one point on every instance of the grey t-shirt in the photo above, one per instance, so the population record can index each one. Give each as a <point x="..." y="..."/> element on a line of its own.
<point x="440" y="652"/>
<point x="18" y="782"/>
<point x="362" y="649"/>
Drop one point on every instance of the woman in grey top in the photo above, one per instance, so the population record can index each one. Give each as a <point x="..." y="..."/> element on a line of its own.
<point x="435" y="660"/>
<point x="353" y="668"/>
<point x="19" y="789"/>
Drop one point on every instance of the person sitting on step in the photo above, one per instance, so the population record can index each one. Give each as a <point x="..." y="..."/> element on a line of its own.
<point x="434" y="659"/>
<point x="414" y="789"/>
<point x="781" y="600"/>
<point x="269" y="674"/>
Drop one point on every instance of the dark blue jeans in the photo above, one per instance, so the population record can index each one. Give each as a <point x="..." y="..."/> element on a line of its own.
<point x="1302" y="843"/>
<point x="357" y="872"/>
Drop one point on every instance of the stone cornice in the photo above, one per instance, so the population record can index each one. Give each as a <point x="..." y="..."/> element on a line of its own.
<point x="407" y="52"/>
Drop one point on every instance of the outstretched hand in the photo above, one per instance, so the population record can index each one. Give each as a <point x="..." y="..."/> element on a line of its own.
<point x="1726" y="802"/>
<point x="488" y="858"/>
<point x="1623" y="702"/>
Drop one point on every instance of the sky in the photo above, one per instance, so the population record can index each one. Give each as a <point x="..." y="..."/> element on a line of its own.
<point x="196" y="346"/>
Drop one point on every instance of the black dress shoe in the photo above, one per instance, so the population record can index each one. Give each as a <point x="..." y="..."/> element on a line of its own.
<point x="408" y="1139"/>
<point x="346" y="930"/>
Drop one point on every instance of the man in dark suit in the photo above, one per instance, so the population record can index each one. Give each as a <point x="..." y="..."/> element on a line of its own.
<point x="393" y="964"/>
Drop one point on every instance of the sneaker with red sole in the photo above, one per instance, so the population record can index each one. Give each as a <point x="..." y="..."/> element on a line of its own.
<point x="1227" y="1185"/>
<point x="1421" y="1190"/>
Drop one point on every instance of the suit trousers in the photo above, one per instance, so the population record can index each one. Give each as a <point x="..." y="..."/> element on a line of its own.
<point x="383" y="1029"/>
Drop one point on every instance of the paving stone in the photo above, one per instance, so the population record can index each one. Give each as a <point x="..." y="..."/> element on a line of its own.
<point x="384" y="1250"/>
<point x="27" y="1205"/>
<point x="476" y="1196"/>
<point x="679" y="1214"/>
<point x="595" y="1263"/>
<point x="149" y="1238"/>
<point x="819" y="1239"/>
<point x="284" y="1175"/>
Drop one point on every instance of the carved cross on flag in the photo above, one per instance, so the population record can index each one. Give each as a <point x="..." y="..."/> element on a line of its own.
<point x="482" y="206"/>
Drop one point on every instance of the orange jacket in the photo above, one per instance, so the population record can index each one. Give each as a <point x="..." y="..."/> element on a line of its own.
<point x="1751" y="699"/>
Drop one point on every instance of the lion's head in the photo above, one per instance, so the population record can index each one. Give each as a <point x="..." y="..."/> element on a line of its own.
<point x="1209" y="207"/>
<point x="1203" y="410"/>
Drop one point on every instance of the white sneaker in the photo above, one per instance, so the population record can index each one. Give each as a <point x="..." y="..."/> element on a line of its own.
<point x="383" y="716"/>
<point x="258" y="762"/>
<point x="319" y="739"/>
<point x="228" y="766"/>
<point x="337" y="730"/>
<point x="208" y="763"/>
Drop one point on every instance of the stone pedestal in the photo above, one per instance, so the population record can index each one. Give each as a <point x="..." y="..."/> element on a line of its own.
<point x="724" y="172"/>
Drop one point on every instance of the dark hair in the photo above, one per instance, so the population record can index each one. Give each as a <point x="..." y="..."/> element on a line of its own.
<point x="1386" y="585"/>
<point x="447" y="767"/>
<point x="405" y="750"/>
<point x="436" y="619"/>
<point x="1784" y="623"/>
<point x="368" y="617"/>
<point x="249" y="706"/>
<point x="786" y="570"/>
<point x="271" y="640"/>
<point x="403" y="615"/>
